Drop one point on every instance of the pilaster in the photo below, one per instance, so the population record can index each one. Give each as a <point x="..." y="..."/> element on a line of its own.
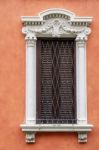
<point x="30" y="79"/>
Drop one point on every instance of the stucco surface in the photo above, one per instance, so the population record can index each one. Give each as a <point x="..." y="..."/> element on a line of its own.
<point x="12" y="75"/>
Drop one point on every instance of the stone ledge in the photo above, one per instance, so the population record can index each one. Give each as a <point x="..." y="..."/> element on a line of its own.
<point x="56" y="127"/>
<point x="31" y="130"/>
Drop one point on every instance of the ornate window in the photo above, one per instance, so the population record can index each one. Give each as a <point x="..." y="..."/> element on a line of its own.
<point x="56" y="98"/>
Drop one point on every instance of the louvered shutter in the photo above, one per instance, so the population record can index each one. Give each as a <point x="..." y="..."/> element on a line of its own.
<point x="56" y="81"/>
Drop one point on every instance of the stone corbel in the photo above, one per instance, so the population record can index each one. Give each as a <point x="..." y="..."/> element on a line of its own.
<point x="30" y="137"/>
<point x="82" y="137"/>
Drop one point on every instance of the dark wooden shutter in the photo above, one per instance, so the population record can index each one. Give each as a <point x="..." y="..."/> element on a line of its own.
<point x="56" y="81"/>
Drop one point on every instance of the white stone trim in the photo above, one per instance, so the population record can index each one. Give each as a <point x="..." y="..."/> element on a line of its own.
<point x="75" y="20"/>
<point x="81" y="95"/>
<point x="57" y="127"/>
<point x="30" y="81"/>
<point x="82" y="130"/>
<point x="56" y="23"/>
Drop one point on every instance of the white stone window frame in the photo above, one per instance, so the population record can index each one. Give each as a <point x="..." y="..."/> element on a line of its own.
<point x="57" y="23"/>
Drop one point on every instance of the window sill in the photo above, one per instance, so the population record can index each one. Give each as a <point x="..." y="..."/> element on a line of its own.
<point x="56" y="127"/>
<point x="81" y="129"/>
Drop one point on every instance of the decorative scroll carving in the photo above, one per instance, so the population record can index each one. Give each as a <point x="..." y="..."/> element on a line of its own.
<point x="30" y="35"/>
<point x="83" y="35"/>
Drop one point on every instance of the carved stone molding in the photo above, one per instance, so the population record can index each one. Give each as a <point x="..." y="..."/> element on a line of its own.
<point x="58" y="23"/>
<point x="56" y="28"/>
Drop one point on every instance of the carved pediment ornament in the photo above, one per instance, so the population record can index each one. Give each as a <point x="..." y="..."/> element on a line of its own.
<point x="56" y="24"/>
<point x="56" y="28"/>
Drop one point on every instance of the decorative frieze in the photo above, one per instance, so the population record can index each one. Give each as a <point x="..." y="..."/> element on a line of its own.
<point x="56" y="28"/>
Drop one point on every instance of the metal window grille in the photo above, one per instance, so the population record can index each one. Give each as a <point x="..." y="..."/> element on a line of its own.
<point x="56" y="81"/>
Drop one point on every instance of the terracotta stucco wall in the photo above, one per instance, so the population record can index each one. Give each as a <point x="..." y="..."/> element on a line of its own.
<point x="12" y="75"/>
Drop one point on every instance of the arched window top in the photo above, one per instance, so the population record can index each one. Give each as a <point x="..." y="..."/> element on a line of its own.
<point x="57" y="12"/>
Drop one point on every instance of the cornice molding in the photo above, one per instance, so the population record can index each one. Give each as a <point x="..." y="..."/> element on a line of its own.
<point x="57" y="13"/>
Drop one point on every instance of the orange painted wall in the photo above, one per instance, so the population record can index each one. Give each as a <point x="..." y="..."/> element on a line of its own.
<point x="12" y="75"/>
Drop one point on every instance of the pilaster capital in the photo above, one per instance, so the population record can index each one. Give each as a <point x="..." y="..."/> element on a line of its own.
<point x="30" y="36"/>
<point x="83" y="35"/>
